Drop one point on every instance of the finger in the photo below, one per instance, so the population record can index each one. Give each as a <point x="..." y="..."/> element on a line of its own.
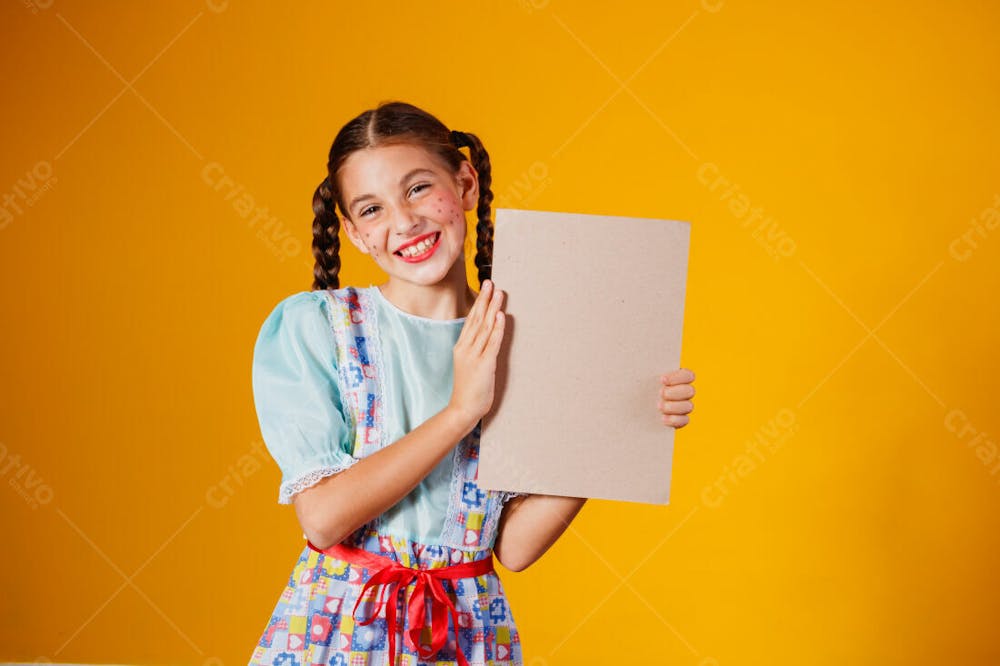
<point x="681" y="392"/>
<point x="679" y="376"/>
<point x="474" y="317"/>
<point x="676" y="406"/>
<point x="482" y="301"/>
<point x="496" y="302"/>
<point x="675" y="420"/>
<point x="485" y="329"/>
<point x="496" y="337"/>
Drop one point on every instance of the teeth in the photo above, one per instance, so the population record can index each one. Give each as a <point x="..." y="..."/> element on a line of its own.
<point x="419" y="248"/>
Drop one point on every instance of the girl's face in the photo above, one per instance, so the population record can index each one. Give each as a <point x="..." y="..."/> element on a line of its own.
<point x="407" y="210"/>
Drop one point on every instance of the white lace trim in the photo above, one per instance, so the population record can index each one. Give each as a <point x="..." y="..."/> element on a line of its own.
<point x="370" y="327"/>
<point x="309" y="479"/>
<point x="374" y="340"/>
<point x="334" y="311"/>
<point x="453" y="531"/>
<point x="340" y="312"/>
<point x="343" y="327"/>
<point x="507" y="495"/>
<point x="492" y="523"/>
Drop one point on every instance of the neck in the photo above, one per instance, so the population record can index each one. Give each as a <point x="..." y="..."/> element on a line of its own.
<point x="451" y="298"/>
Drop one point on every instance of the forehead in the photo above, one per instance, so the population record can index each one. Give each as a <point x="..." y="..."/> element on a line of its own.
<point x="376" y="170"/>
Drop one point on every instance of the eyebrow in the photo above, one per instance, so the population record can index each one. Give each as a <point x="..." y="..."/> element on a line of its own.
<point x="408" y="175"/>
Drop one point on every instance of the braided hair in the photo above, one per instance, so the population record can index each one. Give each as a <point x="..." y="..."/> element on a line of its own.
<point x="390" y="123"/>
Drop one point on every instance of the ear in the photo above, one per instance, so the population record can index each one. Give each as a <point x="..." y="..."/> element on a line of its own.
<point x="353" y="235"/>
<point x="467" y="179"/>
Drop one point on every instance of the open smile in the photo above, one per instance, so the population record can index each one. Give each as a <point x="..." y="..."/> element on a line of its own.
<point x="420" y="249"/>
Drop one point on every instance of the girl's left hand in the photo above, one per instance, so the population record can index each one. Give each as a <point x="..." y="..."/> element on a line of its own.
<point x="675" y="397"/>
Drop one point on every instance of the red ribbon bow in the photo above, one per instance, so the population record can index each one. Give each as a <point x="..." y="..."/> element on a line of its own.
<point x="393" y="576"/>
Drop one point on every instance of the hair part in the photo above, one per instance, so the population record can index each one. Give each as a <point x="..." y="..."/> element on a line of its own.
<point x="391" y="123"/>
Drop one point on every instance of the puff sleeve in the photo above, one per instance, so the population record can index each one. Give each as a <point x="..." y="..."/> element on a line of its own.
<point x="297" y="396"/>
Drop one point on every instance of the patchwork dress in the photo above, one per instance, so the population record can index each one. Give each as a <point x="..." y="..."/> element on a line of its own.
<point x="337" y="375"/>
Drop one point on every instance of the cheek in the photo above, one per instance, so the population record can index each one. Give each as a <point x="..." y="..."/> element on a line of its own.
<point x="367" y="241"/>
<point x="448" y="209"/>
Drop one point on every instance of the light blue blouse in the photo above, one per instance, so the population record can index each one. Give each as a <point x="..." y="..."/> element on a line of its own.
<point x="304" y="423"/>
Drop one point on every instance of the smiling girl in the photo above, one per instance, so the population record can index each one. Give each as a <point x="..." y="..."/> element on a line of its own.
<point x="370" y="401"/>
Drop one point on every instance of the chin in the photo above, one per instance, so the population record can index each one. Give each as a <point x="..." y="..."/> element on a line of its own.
<point x="425" y="276"/>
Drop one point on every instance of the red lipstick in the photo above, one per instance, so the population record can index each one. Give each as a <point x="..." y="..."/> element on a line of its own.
<point x="423" y="255"/>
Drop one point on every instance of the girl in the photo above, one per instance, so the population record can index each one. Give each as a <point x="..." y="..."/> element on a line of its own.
<point x="370" y="400"/>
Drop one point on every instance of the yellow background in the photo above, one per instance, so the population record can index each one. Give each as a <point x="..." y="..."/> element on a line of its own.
<point x="850" y="332"/>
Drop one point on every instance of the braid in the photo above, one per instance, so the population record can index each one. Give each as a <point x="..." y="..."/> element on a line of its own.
<point x="326" y="238"/>
<point x="484" y="226"/>
<point x="391" y="123"/>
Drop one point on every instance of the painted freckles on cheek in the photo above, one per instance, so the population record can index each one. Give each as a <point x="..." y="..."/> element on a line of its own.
<point x="373" y="250"/>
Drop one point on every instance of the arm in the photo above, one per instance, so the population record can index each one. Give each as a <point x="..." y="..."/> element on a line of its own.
<point x="338" y="505"/>
<point x="530" y="524"/>
<point x="332" y="509"/>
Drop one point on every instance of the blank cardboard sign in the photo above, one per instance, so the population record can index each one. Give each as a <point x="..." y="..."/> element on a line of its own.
<point x="595" y="308"/>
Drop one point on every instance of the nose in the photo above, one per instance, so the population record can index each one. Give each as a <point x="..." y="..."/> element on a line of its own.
<point x="406" y="222"/>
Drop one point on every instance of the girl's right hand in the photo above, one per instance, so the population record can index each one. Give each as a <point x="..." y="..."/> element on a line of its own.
<point x="475" y="355"/>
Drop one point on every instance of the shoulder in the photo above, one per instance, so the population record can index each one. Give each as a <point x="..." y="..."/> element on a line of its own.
<point x="311" y="313"/>
<point x="297" y="307"/>
<point x="309" y="303"/>
<point x="304" y="315"/>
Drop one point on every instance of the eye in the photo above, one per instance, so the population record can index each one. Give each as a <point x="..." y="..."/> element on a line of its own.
<point x="418" y="187"/>
<point x="365" y="211"/>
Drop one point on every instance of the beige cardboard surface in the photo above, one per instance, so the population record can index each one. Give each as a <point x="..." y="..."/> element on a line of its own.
<point x="595" y="309"/>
